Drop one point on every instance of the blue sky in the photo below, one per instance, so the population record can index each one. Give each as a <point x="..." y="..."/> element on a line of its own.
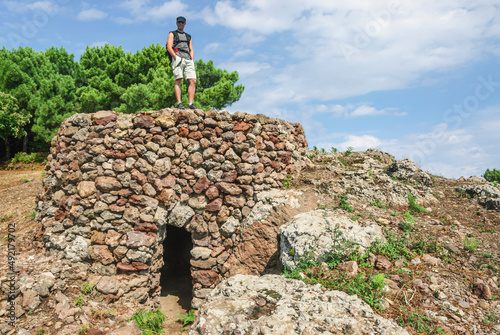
<point x="417" y="79"/>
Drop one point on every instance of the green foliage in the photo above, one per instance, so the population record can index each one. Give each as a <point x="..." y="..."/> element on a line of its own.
<point x="287" y="182"/>
<point x="80" y="300"/>
<point x="491" y="317"/>
<point x="407" y="224"/>
<point x="368" y="287"/>
<point x="348" y="151"/>
<point x="413" y="205"/>
<point x="12" y="120"/>
<point x="377" y="203"/>
<point x="41" y="89"/>
<point x="186" y="319"/>
<point x="421" y="245"/>
<point x="215" y="88"/>
<point x="22" y="157"/>
<point x="83" y="330"/>
<point x="471" y="244"/>
<point x="420" y="323"/>
<point x="6" y="217"/>
<point x="344" y="205"/>
<point x="333" y="150"/>
<point x="395" y="247"/>
<point x="150" y="322"/>
<point x="492" y="175"/>
<point x="87" y="288"/>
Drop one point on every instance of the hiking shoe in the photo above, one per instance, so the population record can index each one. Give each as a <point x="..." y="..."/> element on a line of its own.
<point x="191" y="106"/>
<point x="180" y="105"/>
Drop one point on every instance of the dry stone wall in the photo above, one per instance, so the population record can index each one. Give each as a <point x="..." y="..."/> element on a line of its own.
<point x="115" y="181"/>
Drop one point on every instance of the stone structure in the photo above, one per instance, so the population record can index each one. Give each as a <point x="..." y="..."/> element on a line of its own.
<point x="116" y="182"/>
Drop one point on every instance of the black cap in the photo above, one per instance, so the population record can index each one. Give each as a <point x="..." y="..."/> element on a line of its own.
<point x="181" y="18"/>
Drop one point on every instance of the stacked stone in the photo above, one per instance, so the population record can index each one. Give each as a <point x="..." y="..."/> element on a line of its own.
<point x="114" y="181"/>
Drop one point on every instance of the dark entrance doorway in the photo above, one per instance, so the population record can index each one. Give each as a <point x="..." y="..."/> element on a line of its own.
<point x="176" y="277"/>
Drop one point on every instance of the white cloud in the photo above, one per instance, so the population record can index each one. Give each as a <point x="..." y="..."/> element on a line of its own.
<point x="98" y="44"/>
<point x="388" y="47"/>
<point x="355" y="110"/>
<point x="140" y="11"/>
<point x="211" y="47"/>
<point x="22" y="7"/>
<point x="245" y="68"/>
<point x="91" y="14"/>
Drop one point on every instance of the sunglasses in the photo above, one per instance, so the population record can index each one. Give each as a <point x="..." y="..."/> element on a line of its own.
<point x="181" y="22"/>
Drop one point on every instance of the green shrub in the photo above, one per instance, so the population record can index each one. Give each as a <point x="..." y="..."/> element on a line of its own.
<point x="149" y="322"/>
<point x="413" y="205"/>
<point x="186" y="319"/>
<point x="348" y="151"/>
<point x="344" y="205"/>
<point x="394" y="248"/>
<point x="287" y="182"/>
<point x="471" y="244"/>
<point x="87" y="288"/>
<point x="367" y="287"/>
<point x="419" y="322"/>
<point x="492" y="175"/>
<point x="22" y="157"/>
<point x="407" y="224"/>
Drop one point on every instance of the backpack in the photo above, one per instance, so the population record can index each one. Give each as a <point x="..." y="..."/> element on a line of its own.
<point x="176" y="41"/>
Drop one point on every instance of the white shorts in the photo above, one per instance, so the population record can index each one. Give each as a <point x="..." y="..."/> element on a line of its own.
<point x="183" y="68"/>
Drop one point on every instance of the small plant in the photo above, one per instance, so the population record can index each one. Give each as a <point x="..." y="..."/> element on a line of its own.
<point x="348" y="151"/>
<point x="24" y="180"/>
<point x="83" y="330"/>
<point x="333" y="150"/>
<point x="41" y="331"/>
<point x="421" y="323"/>
<point x="357" y="216"/>
<point x="287" y="182"/>
<point x="394" y="248"/>
<point x="422" y="245"/>
<point x="87" y="288"/>
<point x="408" y="223"/>
<point x="487" y="255"/>
<point x="32" y="214"/>
<point x="315" y="148"/>
<point x="79" y="301"/>
<point x="491" y="317"/>
<point x="471" y="244"/>
<point x="323" y="150"/>
<point x="186" y="319"/>
<point x="344" y="205"/>
<point x="102" y="314"/>
<point x="413" y="205"/>
<point x="322" y="206"/>
<point x="149" y="322"/>
<point x="462" y="193"/>
<point x="6" y="217"/>
<point x="377" y="203"/>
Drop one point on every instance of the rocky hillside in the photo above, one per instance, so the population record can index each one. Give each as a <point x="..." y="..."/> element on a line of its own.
<point x="420" y="252"/>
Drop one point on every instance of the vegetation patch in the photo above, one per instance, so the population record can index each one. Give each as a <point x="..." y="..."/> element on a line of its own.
<point x="150" y="322"/>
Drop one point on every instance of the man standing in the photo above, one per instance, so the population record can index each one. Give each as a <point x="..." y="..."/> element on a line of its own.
<point x="180" y="48"/>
